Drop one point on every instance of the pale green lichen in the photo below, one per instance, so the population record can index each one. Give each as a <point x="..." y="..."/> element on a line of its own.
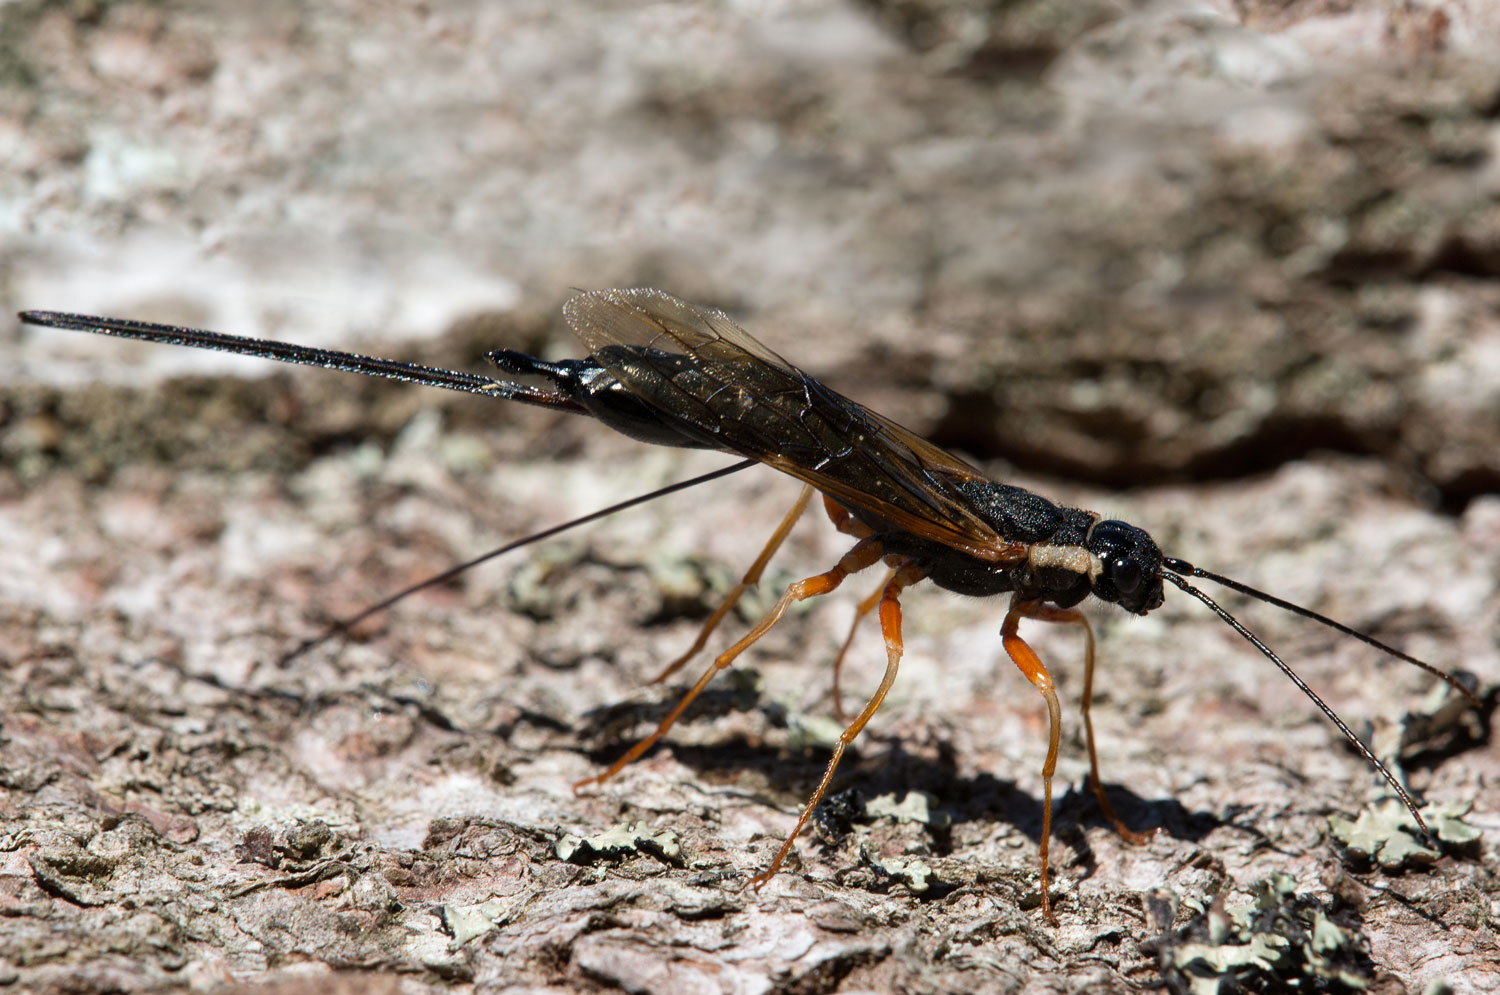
<point x="914" y="873"/>
<point x="1446" y="819"/>
<point x="808" y="731"/>
<point x="913" y="806"/>
<point x="1388" y="835"/>
<point x="1385" y="833"/>
<point x="619" y="841"/>
<point x="465" y="922"/>
<point x="1280" y="940"/>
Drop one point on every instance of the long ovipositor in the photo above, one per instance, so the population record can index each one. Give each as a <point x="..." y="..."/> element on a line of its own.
<point x="667" y="372"/>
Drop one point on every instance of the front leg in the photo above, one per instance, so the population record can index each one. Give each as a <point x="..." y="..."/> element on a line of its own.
<point x="1072" y="616"/>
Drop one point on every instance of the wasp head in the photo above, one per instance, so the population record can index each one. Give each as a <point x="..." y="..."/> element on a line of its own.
<point x="1131" y="573"/>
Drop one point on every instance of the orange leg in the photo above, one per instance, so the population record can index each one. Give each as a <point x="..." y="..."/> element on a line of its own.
<point x="1023" y="656"/>
<point x="751" y="578"/>
<point x="864" y="608"/>
<point x="890" y="626"/>
<point x="1071" y="616"/>
<point x="845" y="521"/>
<point x="865" y="553"/>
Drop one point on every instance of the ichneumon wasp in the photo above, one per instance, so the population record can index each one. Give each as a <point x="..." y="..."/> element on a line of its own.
<point x="664" y="371"/>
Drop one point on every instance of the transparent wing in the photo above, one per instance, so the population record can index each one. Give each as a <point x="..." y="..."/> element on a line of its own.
<point x="696" y="368"/>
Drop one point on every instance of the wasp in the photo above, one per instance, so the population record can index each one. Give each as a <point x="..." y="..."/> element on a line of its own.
<point x="662" y="370"/>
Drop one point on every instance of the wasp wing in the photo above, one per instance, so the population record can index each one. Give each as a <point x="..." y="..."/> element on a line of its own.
<point x="697" y="369"/>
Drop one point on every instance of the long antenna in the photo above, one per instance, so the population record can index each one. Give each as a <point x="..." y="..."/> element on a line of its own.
<point x="1254" y="640"/>
<point x="286" y="352"/>
<point x="1183" y="567"/>
<point x="344" y="625"/>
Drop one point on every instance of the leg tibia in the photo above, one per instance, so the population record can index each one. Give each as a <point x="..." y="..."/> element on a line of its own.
<point x="864" y="553"/>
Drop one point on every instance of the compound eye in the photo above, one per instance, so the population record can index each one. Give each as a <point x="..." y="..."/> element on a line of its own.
<point x="1125" y="575"/>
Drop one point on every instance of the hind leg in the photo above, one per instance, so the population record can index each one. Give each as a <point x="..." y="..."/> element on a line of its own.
<point x="907" y="572"/>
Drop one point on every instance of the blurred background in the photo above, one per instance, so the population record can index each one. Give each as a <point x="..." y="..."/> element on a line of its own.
<point x="1120" y="242"/>
<point x="1225" y="269"/>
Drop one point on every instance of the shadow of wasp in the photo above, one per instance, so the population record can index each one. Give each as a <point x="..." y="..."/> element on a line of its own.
<point x="664" y="371"/>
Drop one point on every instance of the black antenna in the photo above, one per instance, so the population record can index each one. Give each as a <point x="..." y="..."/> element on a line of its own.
<point x="344" y="625"/>
<point x="1254" y="640"/>
<point x="286" y="352"/>
<point x="1183" y="567"/>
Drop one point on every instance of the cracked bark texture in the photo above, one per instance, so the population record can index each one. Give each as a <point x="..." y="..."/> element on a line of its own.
<point x="1223" y="271"/>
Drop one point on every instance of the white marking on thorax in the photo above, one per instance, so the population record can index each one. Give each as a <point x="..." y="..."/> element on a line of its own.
<point x="1074" y="559"/>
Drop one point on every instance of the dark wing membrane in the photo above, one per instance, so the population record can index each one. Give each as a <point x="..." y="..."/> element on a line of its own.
<point x="698" y="369"/>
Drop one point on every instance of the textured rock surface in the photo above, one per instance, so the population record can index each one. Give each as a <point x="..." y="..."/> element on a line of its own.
<point x="1229" y="276"/>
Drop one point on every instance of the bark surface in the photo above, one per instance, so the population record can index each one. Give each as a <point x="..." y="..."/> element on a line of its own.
<point x="1226" y="274"/>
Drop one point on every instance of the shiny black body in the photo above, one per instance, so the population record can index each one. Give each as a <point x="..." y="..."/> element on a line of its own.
<point x="671" y="373"/>
<point x="1017" y="516"/>
<point x="602" y="395"/>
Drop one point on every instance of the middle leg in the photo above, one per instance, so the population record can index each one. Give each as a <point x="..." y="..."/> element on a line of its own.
<point x="865" y="553"/>
<point x="842" y="520"/>
<point x="860" y="611"/>
<point x="751" y="578"/>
